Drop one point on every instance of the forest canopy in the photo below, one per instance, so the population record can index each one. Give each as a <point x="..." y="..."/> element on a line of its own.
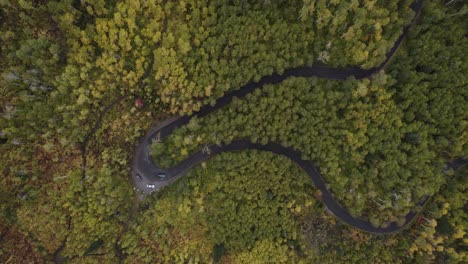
<point x="82" y="81"/>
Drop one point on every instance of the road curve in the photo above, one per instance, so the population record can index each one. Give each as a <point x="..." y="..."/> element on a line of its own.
<point x="147" y="175"/>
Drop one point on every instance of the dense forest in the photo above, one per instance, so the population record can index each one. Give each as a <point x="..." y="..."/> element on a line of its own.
<point x="82" y="81"/>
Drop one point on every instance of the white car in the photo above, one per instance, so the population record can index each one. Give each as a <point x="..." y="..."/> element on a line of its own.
<point x="152" y="186"/>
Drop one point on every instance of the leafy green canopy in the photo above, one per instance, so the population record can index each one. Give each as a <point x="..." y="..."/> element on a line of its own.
<point x="62" y="61"/>
<point x="245" y="201"/>
<point x="380" y="144"/>
<point x="65" y="60"/>
<point x="353" y="131"/>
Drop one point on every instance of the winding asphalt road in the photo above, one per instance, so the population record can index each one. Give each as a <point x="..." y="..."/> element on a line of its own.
<point x="148" y="177"/>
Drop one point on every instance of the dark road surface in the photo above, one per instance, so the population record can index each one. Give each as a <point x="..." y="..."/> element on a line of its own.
<point x="148" y="177"/>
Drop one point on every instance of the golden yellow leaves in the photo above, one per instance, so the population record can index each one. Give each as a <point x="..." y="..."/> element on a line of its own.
<point x="118" y="19"/>
<point x="378" y="31"/>
<point x="208" y="90"/>
<point x="184" y="46"/>
<point x="459" y="233"/>
<point x="82" y="98"/>
<point x="361" y="90"/>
